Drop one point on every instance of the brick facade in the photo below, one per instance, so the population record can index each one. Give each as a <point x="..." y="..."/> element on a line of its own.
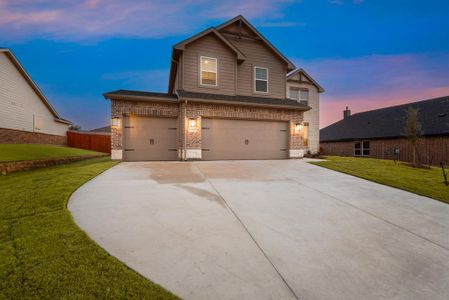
<point x="12" y="136"/>
<point x="432" y="150"/>
<point x="189" y="139"/>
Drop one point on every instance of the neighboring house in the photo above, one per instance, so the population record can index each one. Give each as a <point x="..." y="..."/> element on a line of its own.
<point x="26" y="116"/>
<point x="380" y="133"/>
<point x="227" y="99"/>
<point x="105" y="129"/>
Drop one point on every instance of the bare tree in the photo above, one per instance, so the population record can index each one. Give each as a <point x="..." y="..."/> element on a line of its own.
<point x="412" y="131"/>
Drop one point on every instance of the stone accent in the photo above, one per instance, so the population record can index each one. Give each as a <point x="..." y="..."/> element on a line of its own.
<point x="116" y="154"/>
<point x="193" y="153"/>
<point x="189" y="138"/>
<point x="12" y="136"/>
<point x="298" y="153"/>
<point x="14" y="166"/>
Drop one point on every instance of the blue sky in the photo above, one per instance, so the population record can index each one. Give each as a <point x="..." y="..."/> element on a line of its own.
<point x="366" y="54"/>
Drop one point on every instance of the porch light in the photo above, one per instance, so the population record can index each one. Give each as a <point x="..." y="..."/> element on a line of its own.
<point x="192" y="123"/>
<point x="115" y="122"/>
<point x="298" y="127"/>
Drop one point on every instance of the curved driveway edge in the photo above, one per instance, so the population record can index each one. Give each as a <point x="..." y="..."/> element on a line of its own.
<point x="267" y="230"/>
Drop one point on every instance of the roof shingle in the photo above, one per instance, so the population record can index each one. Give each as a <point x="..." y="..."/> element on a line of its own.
<point x="389" y="122"/>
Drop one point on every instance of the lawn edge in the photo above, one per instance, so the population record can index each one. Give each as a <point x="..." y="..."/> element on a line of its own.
<point x="317" y="163"/>
<point x="67" y="211"/>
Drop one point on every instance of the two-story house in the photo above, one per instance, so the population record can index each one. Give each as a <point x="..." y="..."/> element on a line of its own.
<point x="231" y="95"/>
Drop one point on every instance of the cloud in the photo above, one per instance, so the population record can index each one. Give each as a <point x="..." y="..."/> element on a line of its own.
<point x="97" y="19"/>
<point x="375" y="81"/>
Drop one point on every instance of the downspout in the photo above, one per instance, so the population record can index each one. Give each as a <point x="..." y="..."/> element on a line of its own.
<point x="185" y="131"/>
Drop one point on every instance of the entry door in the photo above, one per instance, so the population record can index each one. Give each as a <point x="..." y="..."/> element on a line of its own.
<point x="147" y="138"/>
<point x="243" y="139"/>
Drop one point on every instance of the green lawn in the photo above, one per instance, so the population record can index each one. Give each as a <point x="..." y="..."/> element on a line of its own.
<point x="44" y="255"/>
<point x="426" y="182"/>
<point x="17" y="152"/>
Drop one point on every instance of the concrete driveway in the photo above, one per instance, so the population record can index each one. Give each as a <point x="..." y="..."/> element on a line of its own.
<point x="267" y="230"/>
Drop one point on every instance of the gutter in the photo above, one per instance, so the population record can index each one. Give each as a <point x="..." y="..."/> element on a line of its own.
<point x="301" y="108"/>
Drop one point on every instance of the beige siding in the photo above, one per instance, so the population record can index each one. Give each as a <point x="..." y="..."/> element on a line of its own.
<point x="210" y="46"/>
<point x="20" y="107"/>
<point x="258" y="54"/>
<point x="312" y="116"/>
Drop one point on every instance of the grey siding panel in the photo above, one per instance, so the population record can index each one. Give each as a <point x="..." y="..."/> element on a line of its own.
<point x="210" y="46"/>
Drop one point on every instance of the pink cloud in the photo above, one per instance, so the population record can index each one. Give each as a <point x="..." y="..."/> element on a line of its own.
<point x="331" y="109"/>
<point x="376" y="81"/>
<point x="94" y="19"/>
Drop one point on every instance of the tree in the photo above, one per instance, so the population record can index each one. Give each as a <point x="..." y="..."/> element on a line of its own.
<point x="412" y="131"/>
<point x="75" y="127"/>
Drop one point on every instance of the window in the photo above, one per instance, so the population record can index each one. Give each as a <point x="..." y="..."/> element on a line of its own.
<point x="365" y="148"/>
<point x="304" y="96"/>
<point x="208" y="75"/>
<point x="293" y="93"/>
<point x="361" y="148"/>
<point x="261" y="80"/>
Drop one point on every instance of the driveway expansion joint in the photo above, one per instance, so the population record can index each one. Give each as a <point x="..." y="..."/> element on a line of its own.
<point x="249" y="233"/>
<point x="372" y="214"/>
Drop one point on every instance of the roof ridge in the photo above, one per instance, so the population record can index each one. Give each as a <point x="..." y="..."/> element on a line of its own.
<point x="400" y="105"/>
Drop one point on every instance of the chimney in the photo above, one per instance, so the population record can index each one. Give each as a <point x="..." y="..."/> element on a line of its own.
<point x="346" y="113"/>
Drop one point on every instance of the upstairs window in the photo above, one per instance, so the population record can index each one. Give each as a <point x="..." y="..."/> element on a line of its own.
<point x="304" y="96"/>
<point x="208" y="75"/>
<point x="293" y="93"/>
<point x="261" y="80"/>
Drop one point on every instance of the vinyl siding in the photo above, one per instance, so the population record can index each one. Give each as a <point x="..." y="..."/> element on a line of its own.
<point x="209" y="46"/>
<point x="20" y="106"/>
<point x="312" y="116"/>
<point x="258" y="54"/>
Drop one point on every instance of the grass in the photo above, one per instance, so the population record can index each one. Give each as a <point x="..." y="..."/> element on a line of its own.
<point x="425" y="182"/>
<point x="44" y="255"/>
<point x="18" y="152"/>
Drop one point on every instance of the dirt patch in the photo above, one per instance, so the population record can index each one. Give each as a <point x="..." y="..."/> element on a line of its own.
<point x="165" y="173"/>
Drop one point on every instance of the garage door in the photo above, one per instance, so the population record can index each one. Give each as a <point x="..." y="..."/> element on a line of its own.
<point x="242" y="139"/>
<point x="149" y="138"/>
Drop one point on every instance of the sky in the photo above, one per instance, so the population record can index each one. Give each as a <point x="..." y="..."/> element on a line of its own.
<point x="366" y="54"/>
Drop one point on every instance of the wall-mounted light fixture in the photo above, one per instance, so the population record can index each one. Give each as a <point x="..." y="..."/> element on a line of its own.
<point x="193" y="125"/>
<point x="115" y="122"/>
<point x="298" y="127"/>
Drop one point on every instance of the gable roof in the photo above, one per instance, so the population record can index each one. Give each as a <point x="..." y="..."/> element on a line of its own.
<point x="389" y="122"/>
<point x="304" y="73"/>
<point x="240" y="18"/>
<point x="33" y="85"/>
<point x="179" y="47"/>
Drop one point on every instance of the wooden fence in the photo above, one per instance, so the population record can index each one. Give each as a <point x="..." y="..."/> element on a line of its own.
<point x="100" y="142"/>
<point x="432" y="150"/>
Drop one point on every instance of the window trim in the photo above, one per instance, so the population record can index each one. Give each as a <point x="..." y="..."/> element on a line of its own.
<point x="292" y="88"/>
<point x="201" y="71"/>
<point x="255" y="79"/>
<point x="361" y="149"/>
<point x="308" y="94"/>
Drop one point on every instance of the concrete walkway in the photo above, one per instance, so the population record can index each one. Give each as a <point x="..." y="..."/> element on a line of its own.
<point x="267" y="230"/>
